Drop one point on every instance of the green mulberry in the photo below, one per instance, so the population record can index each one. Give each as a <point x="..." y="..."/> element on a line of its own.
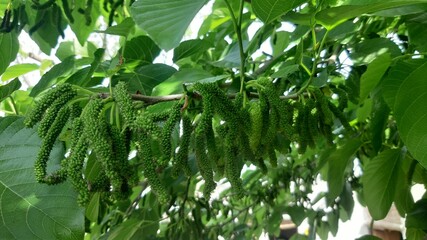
<point x="312" y="122"/>
<point x="45" y="102"/>
<point x="232" y="169"/>
<point x="342" y="98"/>
<point x="340" y="115"/>
<point x="149" y="168"/>
<point x="256" y="120"/>
<point x="48" y="142"/>
<point x="75" y="169"/>
<point x="174" y="117"/>
<point x="124" y="101"/>
<point x="181" y="158"/>
<point x="203" y="162"/>
<point x="96" y="127"/>
<point x="300" y="126"/>
<point x="120" y="151"/>
<point x="322" y="104"/>
<point x="53" y="111"/>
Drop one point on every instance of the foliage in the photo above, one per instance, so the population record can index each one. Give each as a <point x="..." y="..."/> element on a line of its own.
<point x="270" y="98"/>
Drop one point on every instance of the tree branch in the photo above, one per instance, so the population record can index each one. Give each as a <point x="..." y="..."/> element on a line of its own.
<point x="151" y="100"/>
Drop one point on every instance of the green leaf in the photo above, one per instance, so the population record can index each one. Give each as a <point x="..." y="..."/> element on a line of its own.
<point x="80" y="27"/>
<point x="284" y="72"/>
<point x="297" y="236"/>
<point x="165" y="20"/>
<point x="125" y="230"/>
<point x="269" y="10"/>
<point x="415" y="234"/>
<point x="373" y="74"/>
<point x="416" y="218"/>
<point x="337" y="163"/>
<point x="189" y="48"/>
<point x="145" y="78"/>
<point x="126" y="27"/>
<point x="98" y="55"/>
<point x="409" y="110"/>
<point x="366" y="51"/>
<point x="404" y="10"/>
<point x="9" y="47"/>
<point x="333" y="222"/>
<point x="346" y="202"/>
<point x="55" y="72"/>
<point x="141" y="48"/>
<point x="379" y="118"/>
<point x="403" y="199"/>
<point x="18" y="70"/>
<point x="368" y="237"/>
<point x="232" y="58"/>
<point x="332" y="17"/>
<point x="31" y="210"/>
<point x="46" y="36"/>
<point x="175" y="82"/>
<point x="380" y="181"/>
<point x="395" y="76"/>
<point x="417" y="34"/>
<point x="8" y="89"/>
<point x="92" y="209"/>
<point x="78" y="77"/>
<point x="297" y="214"/>
<point x="71" y="48"/>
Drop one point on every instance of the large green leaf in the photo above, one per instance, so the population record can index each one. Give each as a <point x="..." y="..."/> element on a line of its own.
<point x="18" y="70"/>
<point x="165" y="20"/>
<point x="346" y="202"/>
<point x="7" y="89"/>
<point x="410" y="112"/>
<point x="175" y="82"/>
<point x="379" y="118"/>
<point x="337" y="163"/>
<point x="141" y="48"/>
<point x="189" y="48"/>
<point x="124" y="28"/>
<point x="380" y="181"/>
<point x="80" y="26"/>
<point x="416" y="218"/>
<point x="30" y="210"/>
<point x="45" y="31"/>
<point x="332" y="17"/>
<point x="368" y="237"/>
<point x="415" y="234"/>
<point x="366" y="51"/>
<point x="416" y="25"/>
<point x="55" y="72"/>
<point x="269" y="10"/>
<point x="397" y="73"/>
<point x="145" y="78"/>
<point x="373" y="74"/>
<point x="9" y="47"/>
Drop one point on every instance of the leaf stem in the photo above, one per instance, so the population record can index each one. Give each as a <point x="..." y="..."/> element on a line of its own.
<point x="13" y="105"/>
<point x="237" y="23"/>
<point x="83" y="90"/>
<point x="317" y="53"/>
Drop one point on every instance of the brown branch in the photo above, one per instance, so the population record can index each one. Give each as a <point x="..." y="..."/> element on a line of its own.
<point x="35" y="57"/>
<point x="151" y="100"/>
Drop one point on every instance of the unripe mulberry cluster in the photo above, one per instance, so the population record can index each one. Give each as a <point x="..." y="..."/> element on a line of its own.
<point x="221" y="131"/>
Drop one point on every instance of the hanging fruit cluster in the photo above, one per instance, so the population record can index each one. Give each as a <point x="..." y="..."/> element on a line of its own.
<point x="222" y="131"/>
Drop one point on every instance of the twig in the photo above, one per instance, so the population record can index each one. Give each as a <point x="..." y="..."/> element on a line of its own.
<point x="35" y="57"/>
<point x="136" y="200"/>
<point x="151" y="100"/>
<point x="267" y="65"/>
